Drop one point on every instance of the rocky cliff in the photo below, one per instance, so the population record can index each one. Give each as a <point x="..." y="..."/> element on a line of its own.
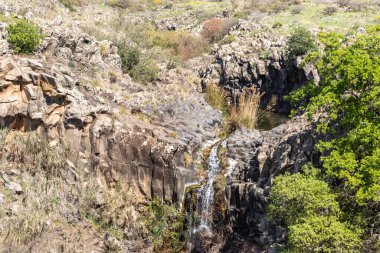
<point x="257" y="157"/>
<point x="259" y="62"/>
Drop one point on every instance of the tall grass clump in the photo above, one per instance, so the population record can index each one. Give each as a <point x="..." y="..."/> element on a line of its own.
<point x="243" y="114"/>
<point x="217" y="98"/>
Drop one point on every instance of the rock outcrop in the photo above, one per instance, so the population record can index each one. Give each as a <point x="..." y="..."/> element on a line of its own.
<point x="255" y="158"/>
<point x="51" y="102"/>
<point x="259" y="62"/>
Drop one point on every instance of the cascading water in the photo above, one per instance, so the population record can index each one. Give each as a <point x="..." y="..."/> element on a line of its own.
<point x="206" y="192"/>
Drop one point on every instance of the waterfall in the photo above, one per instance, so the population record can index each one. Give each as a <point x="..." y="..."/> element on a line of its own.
<point x="206" y="192"/>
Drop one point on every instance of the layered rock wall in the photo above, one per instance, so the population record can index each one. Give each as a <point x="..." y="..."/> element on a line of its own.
<point x="52" y="103"/>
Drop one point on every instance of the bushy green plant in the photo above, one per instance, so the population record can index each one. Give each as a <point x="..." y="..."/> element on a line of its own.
<point x="300" y="43"/>
<point x="323" y="234"/>
<point x="345" y="105"/>
<point x="24" y="36"/>
<point x="130" y="57"/>
<point x="140" y="67"/>
<point x="298" y="196"/>
<point x="277" y="25"/>
<point x="307" y="206"/>
<point x="146" y="71"/>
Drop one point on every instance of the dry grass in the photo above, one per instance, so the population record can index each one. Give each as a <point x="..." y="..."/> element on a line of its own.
<point x="59" y="209"/>
<point x="246" y="113"/>
<point x="217" y="97"/>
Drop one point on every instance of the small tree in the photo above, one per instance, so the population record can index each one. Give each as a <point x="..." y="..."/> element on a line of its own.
<point x="24" y="36"/>
<point x="300" y="43"/>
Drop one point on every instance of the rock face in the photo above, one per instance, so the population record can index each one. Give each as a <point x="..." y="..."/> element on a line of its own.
<point x="260" y="63"/>
<point x="52" y="103"/>
<point x="256" y="158"/>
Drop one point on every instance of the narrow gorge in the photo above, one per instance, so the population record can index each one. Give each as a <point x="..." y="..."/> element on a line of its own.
<point x="189" y="126"/>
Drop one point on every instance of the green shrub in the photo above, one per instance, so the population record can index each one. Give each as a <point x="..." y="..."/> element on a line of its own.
<point x="347" y="102"/>
<point x="300" y="43"/>
<point x="145" y="71"/>
<point x="24" y="36"/>
<point x="323" y="234"/>
<point x="166" y="226"/>
<point x="130" y="57"/>
<point x="308" y="208"/>
<point x="296" y="197"/>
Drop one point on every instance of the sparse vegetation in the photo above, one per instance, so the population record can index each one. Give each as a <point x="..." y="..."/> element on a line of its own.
<point x="57" y="207"/>
<point x="166" y="226"/>
<point x="329" y="10"/>
<point x="70" y="4"/>
<point x="24" y="36"/>
<point x="227" y="40"/>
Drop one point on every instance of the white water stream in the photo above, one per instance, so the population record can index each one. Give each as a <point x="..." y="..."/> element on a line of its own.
<point x="206" y="192"/>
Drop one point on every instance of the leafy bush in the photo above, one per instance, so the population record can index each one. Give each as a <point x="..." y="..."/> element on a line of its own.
<point x="166" y="226"/>
<point x="300" y="43"/>
<point x="298" y="196"/>
<point x="130" y="57"/>
<point x="308" y="208"/>
<point x="347" y="96"/>
<point x="277" y="25"/>
<point x="145" y="71"/>
<point x="24" y="36"/>
<point x="323" y="234"/>
<point x="347" y="101"/>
